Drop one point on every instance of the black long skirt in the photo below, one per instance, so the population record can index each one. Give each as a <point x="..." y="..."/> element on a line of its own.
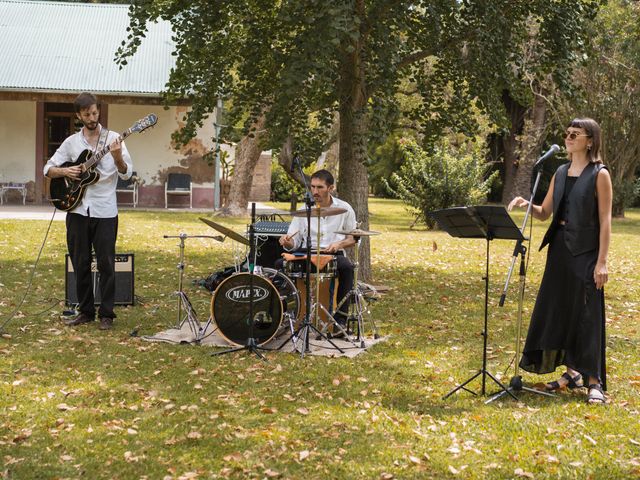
<point x="568" y="321"/>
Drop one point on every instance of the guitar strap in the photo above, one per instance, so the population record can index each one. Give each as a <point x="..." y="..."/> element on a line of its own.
<point x="104" y="133"/>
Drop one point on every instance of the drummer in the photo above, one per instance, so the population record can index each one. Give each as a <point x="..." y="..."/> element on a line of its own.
<point x="322" y="186"/>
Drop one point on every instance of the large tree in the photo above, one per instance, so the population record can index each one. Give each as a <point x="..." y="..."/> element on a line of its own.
<point x="304" y="61"/>
<point x="610" y="87"/>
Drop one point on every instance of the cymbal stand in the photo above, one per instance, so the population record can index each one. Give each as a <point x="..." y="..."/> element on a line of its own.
<point x="303" y="331"/>
<point x="251" y="345"/>
<point x="358" y="306"/>
<point x="317" y="304"/>
<point x="190" y="317"/>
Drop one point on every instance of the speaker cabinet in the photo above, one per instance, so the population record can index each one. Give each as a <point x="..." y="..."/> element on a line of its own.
<point x="268" y="251"/>
<point x="124" y="267"/>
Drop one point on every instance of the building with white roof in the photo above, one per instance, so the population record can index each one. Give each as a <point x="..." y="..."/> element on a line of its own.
<point x="52" y="51"/>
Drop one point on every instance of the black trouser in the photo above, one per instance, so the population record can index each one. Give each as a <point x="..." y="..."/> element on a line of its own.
<point x="83" y="233"/>
<point x="345" y="283"/>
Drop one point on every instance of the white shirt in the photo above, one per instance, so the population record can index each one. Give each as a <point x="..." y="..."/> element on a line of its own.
<point x="328" y="225"/>
<point x="99" y="199"/>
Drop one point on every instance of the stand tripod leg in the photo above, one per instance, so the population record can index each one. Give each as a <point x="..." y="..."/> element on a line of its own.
<point x="251" y="346"/>
<point x="501" y="385"/>
<point x="462" y="386"/>
<point x="342" y="329"/>
<point x="304" y="328"/>
<point x="515" y="385"/>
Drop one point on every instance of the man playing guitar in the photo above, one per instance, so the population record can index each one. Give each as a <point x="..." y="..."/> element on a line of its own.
<point x="93" y="223"/>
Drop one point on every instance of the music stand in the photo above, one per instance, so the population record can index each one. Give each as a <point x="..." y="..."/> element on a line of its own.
<point x="488" y="222"/>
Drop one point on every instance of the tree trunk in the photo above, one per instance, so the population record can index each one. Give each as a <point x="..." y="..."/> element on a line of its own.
<point x="353" y="182"/>
<point x="533" y="135"/>
<point x="516" y="114"/>
<point x="247" y="155"/>
<point x="285" y="159"/>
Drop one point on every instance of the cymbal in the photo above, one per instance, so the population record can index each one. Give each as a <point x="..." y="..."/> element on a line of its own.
<point x="319" y="212"/>
<point x="356" y="232"/>
<point x="227" y="232"/>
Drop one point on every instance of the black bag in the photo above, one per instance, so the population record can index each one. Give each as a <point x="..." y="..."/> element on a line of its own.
<point x="212" y="282"/>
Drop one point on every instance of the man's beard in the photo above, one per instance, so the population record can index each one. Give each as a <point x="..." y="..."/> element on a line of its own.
<point x="91" y="126"/>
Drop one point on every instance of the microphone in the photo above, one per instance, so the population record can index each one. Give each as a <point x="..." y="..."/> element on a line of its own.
<point x="294" y="162"/>
<point x="548" y="154"/>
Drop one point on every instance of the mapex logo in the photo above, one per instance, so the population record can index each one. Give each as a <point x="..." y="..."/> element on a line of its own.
<point x="242" y="294"/>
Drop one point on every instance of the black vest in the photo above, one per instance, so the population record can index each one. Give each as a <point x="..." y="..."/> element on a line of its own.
<point x="582" y="230"/>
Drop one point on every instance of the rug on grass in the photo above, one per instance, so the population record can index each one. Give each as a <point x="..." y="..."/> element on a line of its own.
<point x="212" y="337"/>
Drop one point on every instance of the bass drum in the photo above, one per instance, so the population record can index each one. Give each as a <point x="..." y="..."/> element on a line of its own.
<point x="276" y="305"/>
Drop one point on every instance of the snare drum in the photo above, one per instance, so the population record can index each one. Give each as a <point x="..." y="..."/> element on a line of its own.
<point x="275" y="301"/>
<point x="296" y="268"/>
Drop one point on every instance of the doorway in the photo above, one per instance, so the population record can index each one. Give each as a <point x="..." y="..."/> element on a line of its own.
<point x="60" y="121"/>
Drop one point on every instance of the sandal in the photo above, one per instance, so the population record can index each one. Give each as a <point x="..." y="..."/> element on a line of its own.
<point x="572" y="382"/>
<point x="596" y="395"/>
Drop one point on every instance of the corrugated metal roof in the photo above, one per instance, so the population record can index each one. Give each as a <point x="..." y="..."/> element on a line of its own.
<point x="55" y="46"/>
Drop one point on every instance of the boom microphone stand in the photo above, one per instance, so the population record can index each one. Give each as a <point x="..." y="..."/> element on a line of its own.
<point x="251" y="345"/>
<point x="515" y="385"/>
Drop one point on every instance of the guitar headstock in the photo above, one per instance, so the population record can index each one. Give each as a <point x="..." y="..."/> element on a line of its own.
<point x="144" y="123"/>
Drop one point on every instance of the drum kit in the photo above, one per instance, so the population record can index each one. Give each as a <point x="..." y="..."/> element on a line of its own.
<point x="252" y="308"/>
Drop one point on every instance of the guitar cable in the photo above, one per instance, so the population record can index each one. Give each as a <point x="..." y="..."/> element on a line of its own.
<point x="33" y="271"/>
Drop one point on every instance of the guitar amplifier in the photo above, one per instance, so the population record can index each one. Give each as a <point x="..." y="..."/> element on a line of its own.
<point x="124" y="267"/>
<point x="268" y="249"/>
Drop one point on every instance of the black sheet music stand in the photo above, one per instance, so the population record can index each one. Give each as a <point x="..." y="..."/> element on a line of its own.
<point x="488" y="222"/>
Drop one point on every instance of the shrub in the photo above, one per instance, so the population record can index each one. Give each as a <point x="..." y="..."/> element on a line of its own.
<point x="447" y="177"/>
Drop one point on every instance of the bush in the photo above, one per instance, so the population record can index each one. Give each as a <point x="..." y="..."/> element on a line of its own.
<point x="450" y="176"/>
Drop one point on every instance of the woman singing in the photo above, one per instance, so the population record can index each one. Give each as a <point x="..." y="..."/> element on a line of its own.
<point x="568" y="321"/>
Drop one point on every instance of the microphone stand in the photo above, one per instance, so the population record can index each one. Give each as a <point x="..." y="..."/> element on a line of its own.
<point x="515" y="385"/>
<point x="251" y="345"/>
<point x="306" y="324"/>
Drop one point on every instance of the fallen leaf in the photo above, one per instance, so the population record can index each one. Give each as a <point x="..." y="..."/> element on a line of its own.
<point x="303" y="455"/>
<point x="521" y="473"/>
<point x="236" y="456"/>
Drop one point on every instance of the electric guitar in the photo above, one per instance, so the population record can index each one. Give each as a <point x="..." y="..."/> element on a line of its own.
<point x="67" y="193"/>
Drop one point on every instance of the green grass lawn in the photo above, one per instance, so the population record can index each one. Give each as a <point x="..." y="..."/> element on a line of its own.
<point x="81" y="403"/>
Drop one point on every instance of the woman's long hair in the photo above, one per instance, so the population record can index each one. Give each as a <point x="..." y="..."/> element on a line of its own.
<point x="592" y="129"/>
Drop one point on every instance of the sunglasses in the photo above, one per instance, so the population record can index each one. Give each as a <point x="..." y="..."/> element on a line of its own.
<point x="574" y="135"/>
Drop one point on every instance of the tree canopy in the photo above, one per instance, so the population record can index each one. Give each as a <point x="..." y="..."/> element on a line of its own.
<point x="304" y="62"/>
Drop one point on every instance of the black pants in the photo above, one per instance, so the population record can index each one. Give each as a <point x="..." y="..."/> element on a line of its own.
<point x="345" y="283"/>
<point x="83" y="234"/>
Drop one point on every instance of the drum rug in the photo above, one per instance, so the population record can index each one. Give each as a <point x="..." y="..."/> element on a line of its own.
<point x="212" y="337"/>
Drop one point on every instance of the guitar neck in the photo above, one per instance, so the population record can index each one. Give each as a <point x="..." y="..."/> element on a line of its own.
<point x="107" y="148"/>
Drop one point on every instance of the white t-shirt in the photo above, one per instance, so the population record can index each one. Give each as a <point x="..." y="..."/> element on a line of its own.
<point x="328" y="225"/>
<point x="99" y="199"/>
